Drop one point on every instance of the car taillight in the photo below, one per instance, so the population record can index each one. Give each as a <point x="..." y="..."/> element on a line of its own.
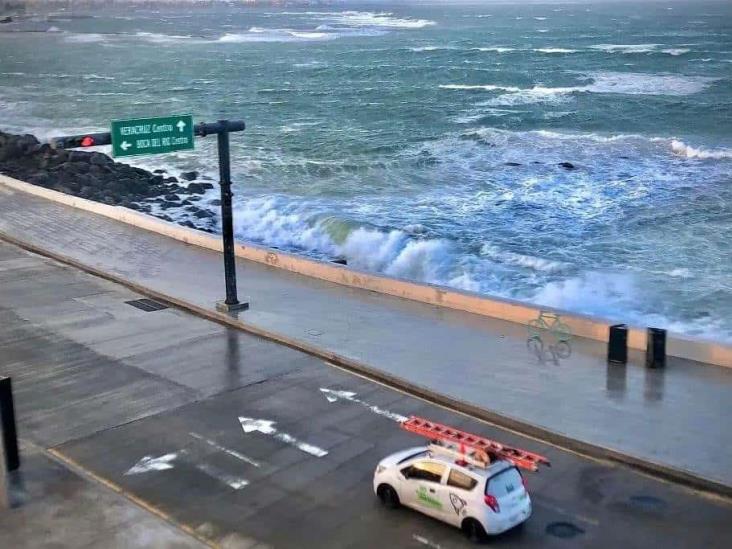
<point x="492" y="502"/>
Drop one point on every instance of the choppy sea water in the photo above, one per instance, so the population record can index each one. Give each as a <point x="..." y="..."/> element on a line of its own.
<point x="424" y="141"/>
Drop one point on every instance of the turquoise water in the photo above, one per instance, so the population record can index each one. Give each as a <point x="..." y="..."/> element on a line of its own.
<point x="390" y="138"/>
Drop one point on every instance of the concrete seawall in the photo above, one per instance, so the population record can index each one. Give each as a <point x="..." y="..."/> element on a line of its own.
<point x="695" y="349"/>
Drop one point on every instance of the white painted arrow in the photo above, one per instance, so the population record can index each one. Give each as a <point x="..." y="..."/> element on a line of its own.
<point x="125" y="145"/>
<point x="181" y="126"/>
<point x="332" y="395"/>
<point x="267" y="427"/>
<point x="149" y="463"/>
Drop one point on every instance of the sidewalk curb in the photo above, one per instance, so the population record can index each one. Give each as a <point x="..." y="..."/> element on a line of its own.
<point x="657" y="470"/>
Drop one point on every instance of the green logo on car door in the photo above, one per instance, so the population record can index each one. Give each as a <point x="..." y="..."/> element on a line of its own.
<point x="428" y="500"/>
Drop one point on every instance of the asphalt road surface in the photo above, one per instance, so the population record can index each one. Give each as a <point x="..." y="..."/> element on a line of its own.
<point x="154" y="402"/>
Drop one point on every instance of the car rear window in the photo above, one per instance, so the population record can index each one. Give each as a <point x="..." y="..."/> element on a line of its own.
<point x="461" y="480"/>
<point x="504" y="482"/>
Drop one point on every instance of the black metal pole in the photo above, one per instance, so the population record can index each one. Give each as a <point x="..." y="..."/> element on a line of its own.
<point x="9" y="432"/>
<point x="227" y="223"/>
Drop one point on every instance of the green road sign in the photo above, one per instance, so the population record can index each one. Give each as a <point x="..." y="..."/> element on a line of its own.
<point x="152" y="135"/>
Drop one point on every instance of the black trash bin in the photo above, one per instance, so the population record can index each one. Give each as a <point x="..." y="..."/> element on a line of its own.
<point x="656" y="348"/>
<point x="617" y="344"/>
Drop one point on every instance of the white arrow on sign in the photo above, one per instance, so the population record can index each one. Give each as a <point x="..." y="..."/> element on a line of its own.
<point x="149" y="463"/>
<point x="267" y="427"/>
<point x="181" y="126"/>
<point x="125" y="145"/>
<point x="333" y="395"/>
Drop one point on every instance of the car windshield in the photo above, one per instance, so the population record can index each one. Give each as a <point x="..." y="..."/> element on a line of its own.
<point x="504" y="483"/>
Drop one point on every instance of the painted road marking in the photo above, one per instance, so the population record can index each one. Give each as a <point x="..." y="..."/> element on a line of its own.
<point x="333" y="396"/>
<point x="149" y="463"/>
<point x="226" y="450"/>
<point x="236" y="483"/>
<point x="267" y="427"/>
<point x="424" y="541"/>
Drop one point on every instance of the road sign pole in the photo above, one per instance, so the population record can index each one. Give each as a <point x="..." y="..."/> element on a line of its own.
<point x="166" y="134"/>
<point x="227" y="224"/>
<point x="9" y="455"/>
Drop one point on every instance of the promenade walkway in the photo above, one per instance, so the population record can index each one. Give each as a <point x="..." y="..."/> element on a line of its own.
<point x="675" y="417"/>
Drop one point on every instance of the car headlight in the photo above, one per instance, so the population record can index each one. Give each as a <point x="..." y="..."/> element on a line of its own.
<point x="380" y="469"/>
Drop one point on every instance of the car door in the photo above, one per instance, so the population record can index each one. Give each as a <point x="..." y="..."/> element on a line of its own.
<point x="460" y="490"/>
<point x="423" y="488"/>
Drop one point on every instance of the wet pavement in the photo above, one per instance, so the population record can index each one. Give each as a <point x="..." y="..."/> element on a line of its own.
<point x="154" y="404"/>
<point x="672" y="416"/>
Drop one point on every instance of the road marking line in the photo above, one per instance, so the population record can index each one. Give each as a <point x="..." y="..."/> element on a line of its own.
<point x="267" y="427"/>
<point x="333" y="395"/>
<point x="236" y="483"/>
<point x="149" y="463"/>
<point x="539" y="503"/>
<point x="233" y="453"/>
<point x="425" y="541"/>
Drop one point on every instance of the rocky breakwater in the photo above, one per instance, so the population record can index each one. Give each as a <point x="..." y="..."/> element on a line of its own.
<point x="95" y="176"/>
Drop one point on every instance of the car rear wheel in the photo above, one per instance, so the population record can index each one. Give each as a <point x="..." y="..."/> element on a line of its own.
<point x="388" y="496"/>
<point x="474" y="530"/>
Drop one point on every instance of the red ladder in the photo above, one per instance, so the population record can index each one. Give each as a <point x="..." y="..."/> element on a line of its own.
<point x="491" y="448"/>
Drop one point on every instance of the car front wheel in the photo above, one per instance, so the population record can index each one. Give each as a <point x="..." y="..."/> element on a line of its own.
<point x="388" y="496"/>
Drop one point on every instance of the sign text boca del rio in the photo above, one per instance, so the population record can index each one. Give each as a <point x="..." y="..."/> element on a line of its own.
<point x="152" y="135"/>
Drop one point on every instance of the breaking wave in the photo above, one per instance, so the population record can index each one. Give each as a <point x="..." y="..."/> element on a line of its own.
<point x="602" y="82"/>
<point x="682" y="149"/>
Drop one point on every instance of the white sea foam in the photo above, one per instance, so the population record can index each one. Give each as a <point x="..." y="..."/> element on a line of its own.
<point x="626" y="48"/>
<point x="521" y="260"/>
<point x="350" y="18"/>
<point x="496" y="49"/>
<point x="676" y="51"/>
<point x="554" y="50"/>
<point x="484" y="87"/>
<point x="682" y="149"/>
<point x="85" y="38"/>
<point x="601" y="82"/>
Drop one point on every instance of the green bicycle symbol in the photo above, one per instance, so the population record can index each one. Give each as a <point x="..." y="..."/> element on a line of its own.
<point x="549" y="326"/>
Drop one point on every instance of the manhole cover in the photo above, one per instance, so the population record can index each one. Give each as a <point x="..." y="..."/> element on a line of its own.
<point x="563" y="530"/>
<point x="647" y="503"/>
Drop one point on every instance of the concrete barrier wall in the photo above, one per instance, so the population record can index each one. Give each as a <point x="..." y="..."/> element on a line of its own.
<point x="504" y="309"/>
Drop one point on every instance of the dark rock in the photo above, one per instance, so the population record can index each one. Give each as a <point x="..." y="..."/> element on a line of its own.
<point x="196" y="188"/>
<point x="156" y="179"/>
<point x="171" y="180"/>
<point x="172" y="197"/>
<point x="165" y="205"/>
<point x="79" y="156"/>
<point x="189" y="176"/>
<point x="207" y="186"/>
<point x="186" y="203"/>
<point x="215" y="202"/>
<point x="567" y="165"/>
<point x="100" y="159"/>
<point x="203" y="214"/>
<point x="189" y="224"/>
<point x="512" y="163"/>
<point x="160" y="171"/>
<point x="340" y="261"/>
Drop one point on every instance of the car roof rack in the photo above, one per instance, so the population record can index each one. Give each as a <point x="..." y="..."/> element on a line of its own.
<point x="469" y="448"/>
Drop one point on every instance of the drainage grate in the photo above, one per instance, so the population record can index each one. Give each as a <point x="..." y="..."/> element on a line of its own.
<point x="147" y="305"/>
<point x="563" y="530"/>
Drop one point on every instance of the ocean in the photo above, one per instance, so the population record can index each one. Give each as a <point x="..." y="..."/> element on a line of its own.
<point x="426" y="141"/>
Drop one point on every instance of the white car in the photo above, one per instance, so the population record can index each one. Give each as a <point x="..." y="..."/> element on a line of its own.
<point x="479" y="500"/>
